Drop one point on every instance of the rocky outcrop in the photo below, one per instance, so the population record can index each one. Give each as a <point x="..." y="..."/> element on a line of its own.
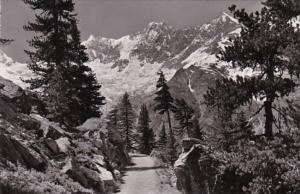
<point x="190" y="177"/>
<point x="14" y="94"/>
<point x="39" y="147"/>
<point x="14" y="151"/>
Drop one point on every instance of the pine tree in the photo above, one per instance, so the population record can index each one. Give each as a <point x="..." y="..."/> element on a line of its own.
<point x="57" y="60"/>
<point x="267" y="44"/>
<point x="147" y="141"/>
<point x="127" y="119"/>
<point x="164" y="105"/>
<point x="183" y="113"/>
<point x="286" y="9"/>
<point x="112" y="126"/>
<point x="162" y="139"/>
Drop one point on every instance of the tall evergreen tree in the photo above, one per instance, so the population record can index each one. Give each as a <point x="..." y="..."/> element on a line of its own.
<point x="112" y="126"/>
<point x="264" y="45"/>
<point x="162" y="138"/>
<point x="127" y="119"/>
<point x="164" y="105"/>
<point x="57" y="60"/>
<point x="147" y="141"/>
<point x="183" y="113"/>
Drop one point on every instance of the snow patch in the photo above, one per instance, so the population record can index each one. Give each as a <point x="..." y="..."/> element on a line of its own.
<point x="226" y="15"/>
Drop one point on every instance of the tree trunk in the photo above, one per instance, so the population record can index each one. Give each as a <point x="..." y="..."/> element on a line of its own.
<point x="170" y="127"/>
<point x="127" y="129"/>
<point x="268" y="104"/>
<point x="269" y="119"/>
<point x="171" y="142"/>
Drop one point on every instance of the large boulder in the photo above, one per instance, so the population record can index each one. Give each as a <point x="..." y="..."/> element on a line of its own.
<point x="85" y="176"/>
<point x="90" y="125"/>
<point x="14" y="151"/>
<point x="8" y="111"/>
<point x="12" y="93"/>
<point x="52" y="146"/>
<point x="187" y="169"/>
<point x="50" y="129"/>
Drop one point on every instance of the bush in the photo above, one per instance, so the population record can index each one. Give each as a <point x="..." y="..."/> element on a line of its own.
<point x="258" y="167"/>
<point x="17" y="179"/>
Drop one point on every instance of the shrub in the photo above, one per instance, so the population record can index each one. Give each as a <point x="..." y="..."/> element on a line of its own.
<point x="17" y="179"/>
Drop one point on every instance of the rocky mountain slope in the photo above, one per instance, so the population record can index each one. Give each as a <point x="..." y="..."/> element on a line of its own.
<point x="131" y="62"/>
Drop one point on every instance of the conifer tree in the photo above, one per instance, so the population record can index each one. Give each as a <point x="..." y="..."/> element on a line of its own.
<point x="147" y="141"/>
<point x="266" y="44"/>
<point x="112" y="126"/>
<point x="183" y="113"/>
<point x="57" y="60"/>
<point x="164" y="105"/>
<point x="286" y="9"/>
<point x="162" y="139"/>
<point x="127" y="119"/>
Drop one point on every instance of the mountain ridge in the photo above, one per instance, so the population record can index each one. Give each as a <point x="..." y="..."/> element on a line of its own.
<point x="130" y="63"/>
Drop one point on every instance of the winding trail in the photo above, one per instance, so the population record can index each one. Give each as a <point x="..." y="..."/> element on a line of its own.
<point x="142" y="178"/>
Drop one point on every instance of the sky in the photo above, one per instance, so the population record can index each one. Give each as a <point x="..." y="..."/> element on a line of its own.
<point x="116" y="18"/>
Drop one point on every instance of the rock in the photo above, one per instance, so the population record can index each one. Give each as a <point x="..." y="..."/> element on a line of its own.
<point x="187" y="143"/>
<point x="89" y="125"/>
<point x="52" y="145"/>
<point x="188" y="174"/>
<point x="63" y="144"/>
<point x="8" y="111"/>
<point x="15" y="152"/>
<point x="50" y="129"/>
<point x="14" y="94"/>
<point x="93" y="179"/>
<point x="53" y="133"/>
<point x="187" y="168"/>
<point x="78" y="176"/>
<point x="28" y="122"/>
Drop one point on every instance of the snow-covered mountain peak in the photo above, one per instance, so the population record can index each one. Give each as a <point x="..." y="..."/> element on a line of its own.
<point x="225" y="17"/>
<point x="131" y="62"/>
<point x="158" y="25"/>
<point x="13" y="71"/>
<point x="4" y="59"/>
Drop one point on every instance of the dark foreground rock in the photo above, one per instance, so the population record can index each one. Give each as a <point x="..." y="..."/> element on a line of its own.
<point x="190" y="177"/>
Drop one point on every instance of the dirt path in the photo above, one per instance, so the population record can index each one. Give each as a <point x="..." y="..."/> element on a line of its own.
<point x="142" y="178"/>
